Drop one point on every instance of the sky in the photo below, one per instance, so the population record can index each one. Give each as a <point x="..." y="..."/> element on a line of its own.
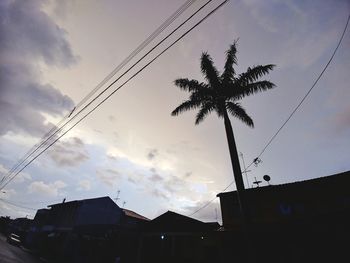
<point x="53" y="53"/>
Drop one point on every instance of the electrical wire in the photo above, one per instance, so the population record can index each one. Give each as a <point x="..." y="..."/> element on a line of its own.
<point x="56" y="130"/>
<point x="309" y="91"/>
<point x="159" y="30"/>
<point x="290" y="116"/>
<point x="122" y="85"/>
<point x="19" y="206"/>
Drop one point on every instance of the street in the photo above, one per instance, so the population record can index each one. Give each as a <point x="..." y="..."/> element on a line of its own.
<point x="13" y="254"/>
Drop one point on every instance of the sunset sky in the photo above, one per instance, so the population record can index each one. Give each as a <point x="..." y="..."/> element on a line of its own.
<point x="53" y="53"/>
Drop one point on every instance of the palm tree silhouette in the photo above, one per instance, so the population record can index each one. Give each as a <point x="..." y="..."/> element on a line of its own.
<point x="220" y="93"/>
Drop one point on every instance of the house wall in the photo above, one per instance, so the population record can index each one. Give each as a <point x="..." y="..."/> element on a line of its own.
<point x="307" y="200"/>
<point x="98" y="211"/>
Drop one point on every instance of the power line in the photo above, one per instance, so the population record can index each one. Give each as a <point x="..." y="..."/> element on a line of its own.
<point x="54" y="131"/>
<point x="19" y="206"/>
<point x="295" y="109"/>
<point x="212" y="200"/>
<point x="101" y="93"/>
<point x="123" y="84"/>
<point x="159" y="30"/>
<point x="309" y="91"/>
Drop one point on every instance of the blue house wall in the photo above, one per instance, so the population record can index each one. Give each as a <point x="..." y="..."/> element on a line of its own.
<point x="98" y="211"/>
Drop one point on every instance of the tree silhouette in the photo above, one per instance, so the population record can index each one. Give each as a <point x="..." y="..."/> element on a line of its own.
<point x="220" y="93"/>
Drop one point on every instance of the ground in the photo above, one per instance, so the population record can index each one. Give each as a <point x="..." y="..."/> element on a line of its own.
<point x="13" y="254"/>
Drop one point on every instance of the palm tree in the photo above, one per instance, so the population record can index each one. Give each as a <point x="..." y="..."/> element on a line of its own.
<point x="220" y="93"/>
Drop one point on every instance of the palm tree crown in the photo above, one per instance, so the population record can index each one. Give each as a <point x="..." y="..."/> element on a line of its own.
<point x="221" y="92"/>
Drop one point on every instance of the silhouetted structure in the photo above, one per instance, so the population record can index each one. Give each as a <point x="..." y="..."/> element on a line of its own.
<point x="89" y="230"/>
<point x="300" y="201"/>
<point x="305" y="221"/>
<point x="172" y="237"/>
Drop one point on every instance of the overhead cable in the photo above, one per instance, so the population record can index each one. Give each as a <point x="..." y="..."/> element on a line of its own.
<point x="122" y="85"/>
<point x="57" y="128"/>
<point x="289" y="117"/>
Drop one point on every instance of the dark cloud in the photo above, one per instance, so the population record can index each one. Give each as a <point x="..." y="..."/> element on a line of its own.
<point x="152" y="154"/>
<point x="69" y="153"/>
<point x="188" y="174"/>
<point x="29" y="33"/>
<point x="112" y="157"/>
<point x="156" y="178"/>
<point x="28" y="37"/>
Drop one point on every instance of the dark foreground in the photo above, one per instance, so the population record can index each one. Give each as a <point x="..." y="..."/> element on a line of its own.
<point x="14" y="254"/>
<point x="289" y="245"/>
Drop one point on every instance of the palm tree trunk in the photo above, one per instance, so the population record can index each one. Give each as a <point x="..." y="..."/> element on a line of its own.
<point x="237" y="173"/>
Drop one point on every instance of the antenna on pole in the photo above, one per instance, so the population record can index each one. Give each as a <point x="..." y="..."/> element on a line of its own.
<point x="117" y="198"/>
<point x="124" y="203"/>
<point x="245" y="169"/>
<point x="257" y="182"/>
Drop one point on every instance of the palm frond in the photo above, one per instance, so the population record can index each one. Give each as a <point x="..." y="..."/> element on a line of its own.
<point x="189" y="85"/>
<point x="185" y="106"/>
<point x="236" y="110"/>
<point x="209" y="71"/>
<point x="231" y="59"/>
<point x="203" y="95"/>
<point x="245" y="90"/>
<point x="253" y="74"/>
<point x="203" y="112"/>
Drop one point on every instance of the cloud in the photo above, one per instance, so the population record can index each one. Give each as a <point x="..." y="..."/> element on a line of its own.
<point x="211" y="212"/>
<point x="268" y="15"/>
<point x="188" y="174"/>
<point x="300" y="27"/>
<point x="51" y="189"/>
<point x="84" y="185"/>
<point x="158" y="193"/>
<point x="108" y="176"/>
<point x="69" y="153"/>
<point x="22" y="177"/>
<point x="7" y="193"/>
<point x="3" y="170"/>
<point x="174" y="184"/>
<point x="111" y="157"/>
<point x="155" y="177"/>
<point x="28" y="37"/>
<point x="152" y="154"/>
